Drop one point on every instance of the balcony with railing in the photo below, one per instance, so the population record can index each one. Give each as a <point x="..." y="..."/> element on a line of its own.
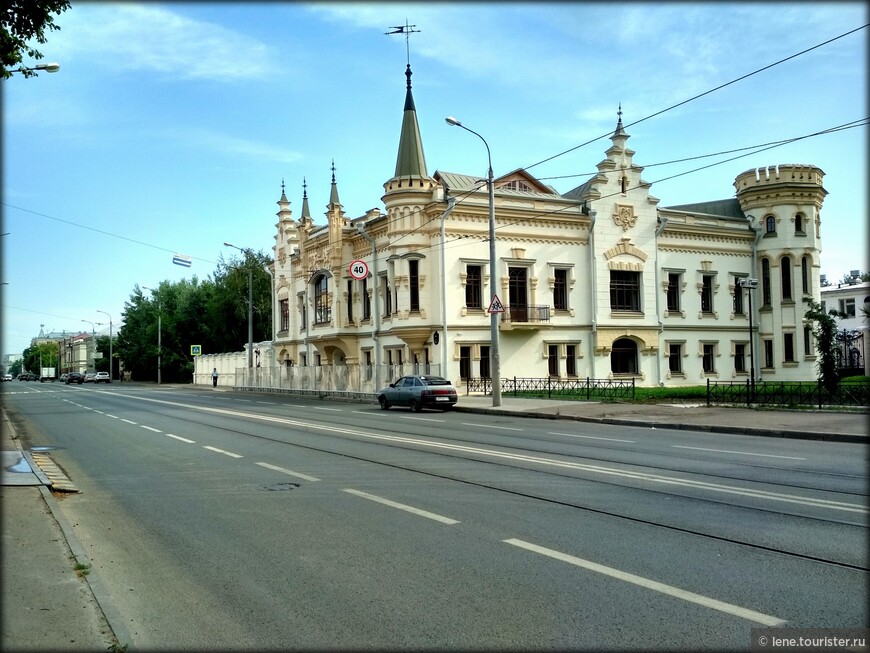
<point x="526" y="317"/>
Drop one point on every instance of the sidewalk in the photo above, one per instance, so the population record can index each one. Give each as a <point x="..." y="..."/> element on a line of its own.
<point x="835" y="426"/>
<point x="45" y="604"/>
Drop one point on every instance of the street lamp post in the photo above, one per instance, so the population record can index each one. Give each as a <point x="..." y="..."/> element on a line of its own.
<point x="493" y="316"/>
<point x="47" y="67"/>
<point x="250" y="307"/>
<point x="110" y="342"/>
<point x="159" y="330"/>
<point x="750" y="285"/>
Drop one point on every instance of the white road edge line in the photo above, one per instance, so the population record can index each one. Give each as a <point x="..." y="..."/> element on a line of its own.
<point x="490" y="426"/>
<point x="151" y="429"/>
<point x="670" y="590"/>
<point x="402" y="506"/>
<point x="590" y="437"/>
<point x="741" y="453"/>
<point x="287" y="471"/>
<point x="178" y="437"/>
<point x="226" y="453"/>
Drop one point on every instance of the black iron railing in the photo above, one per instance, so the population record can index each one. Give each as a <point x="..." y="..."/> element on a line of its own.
<point x="533" y="313"/>
<point x="788" y="394"/>
<point x="551" y="387"/>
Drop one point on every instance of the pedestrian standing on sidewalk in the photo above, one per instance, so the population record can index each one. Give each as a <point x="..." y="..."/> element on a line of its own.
<point x="214" y="377"/>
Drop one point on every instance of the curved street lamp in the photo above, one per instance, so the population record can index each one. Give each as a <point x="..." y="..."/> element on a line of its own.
<point x="47" y="67"/>
<point x="110" y="342"/>
<point x="493" y="317"/>
<point x="246" y="252"/>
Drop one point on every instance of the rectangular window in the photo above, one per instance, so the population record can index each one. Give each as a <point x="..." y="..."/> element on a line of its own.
<point x="553" y="360"/>
<point x="388" y="298"/>
<point x="738" y="297"/>
<point x="560" y="290"/>
<point x="768" y="353"/>
<point x="709" y="360"/>
<point x="805" y="276"/>
<point x="303" y="360"/>
<point x="707" y="294"/>
<point x="303" y="313"/>
<point x="473" y="286"/>
<point x="571" y="360"/>
<point x="675" y="358"/>
<point x="350" y="300"/>
<point x="785" y="280"/>
<point x="414" y="281"/>
<point x="739" y="357"/>
<point x="366" y="300"/>
<point x="624" y="291"/>
<point x="847" y="306"/>
<point x="285" y="314"/>
<point x="368" y="364"/>
<point x="765" y="282"/>
<point x="674" y="280"/>
<point x="808" y="341"/>
<point x="484" y="362"/>
<point x="788" y="347"/>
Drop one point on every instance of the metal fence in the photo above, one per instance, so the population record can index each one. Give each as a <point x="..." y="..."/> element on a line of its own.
<point x="350" y="380"/>
<point x="563" y="388"/>
<point x="787" y="394"/>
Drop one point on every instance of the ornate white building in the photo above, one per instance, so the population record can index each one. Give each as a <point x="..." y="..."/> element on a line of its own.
<point x="597" y="282"/>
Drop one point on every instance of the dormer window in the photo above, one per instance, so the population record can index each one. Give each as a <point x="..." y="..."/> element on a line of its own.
<point x="517" y="185"/>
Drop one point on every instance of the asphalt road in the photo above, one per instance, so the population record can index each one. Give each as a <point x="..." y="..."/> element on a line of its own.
<point x="222" y="520"/>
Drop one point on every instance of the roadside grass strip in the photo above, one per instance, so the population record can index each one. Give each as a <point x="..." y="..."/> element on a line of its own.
<point x="670" y="590"/>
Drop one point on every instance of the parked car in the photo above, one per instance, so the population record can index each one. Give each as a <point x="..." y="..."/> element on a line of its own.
<point x="418" y="392"/>
<point x="27" y="376"/>
<point x="89" y="377"/>
<point x="74" y="377"/>
<point x="7" y="377"/>
<point x="102" y="377"/>
<point x="62" y="377"/>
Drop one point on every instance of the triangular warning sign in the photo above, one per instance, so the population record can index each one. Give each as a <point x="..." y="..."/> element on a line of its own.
<point x="495" y="306"/>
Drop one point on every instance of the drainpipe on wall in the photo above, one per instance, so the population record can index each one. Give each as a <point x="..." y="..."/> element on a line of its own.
<point x="756" y="319"/>
<point x="376" y="327"/>
<point x="592" y="276"/>
<point x="660" y="229"/>
<point x="451" y="202"/>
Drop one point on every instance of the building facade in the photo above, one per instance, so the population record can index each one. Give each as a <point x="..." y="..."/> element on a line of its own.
<point x="851" y="300"/>
<point x="598" y="282"/>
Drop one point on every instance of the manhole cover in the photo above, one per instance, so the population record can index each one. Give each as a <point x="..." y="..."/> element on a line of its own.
<point x="281" y="487"/>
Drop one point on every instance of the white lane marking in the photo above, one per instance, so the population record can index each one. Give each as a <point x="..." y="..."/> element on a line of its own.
<point x="590" y="437"/>
<point x="742" y="453"/>
<point x="490" y="426"/>
<point x="423" y="419"/>
<point x="402" y="506"/>
<point x="245" y="400"/>
<point x="99" y="411"/>
<point x="271" y="403"/>
<point x="226" y="453"/>
<point x="334" y="410"/>
<point x="287" y="471"/>
<point x="112" y="416"/>
<point x="670" y="590"/>
<point x="151" y="429"/>
<point x="178" y="437"/>
<point x="129" y="422"/>
<point x="493" y="453"/>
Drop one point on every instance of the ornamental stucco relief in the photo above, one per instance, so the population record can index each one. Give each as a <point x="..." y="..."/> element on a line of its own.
<point x="624" y="216"/>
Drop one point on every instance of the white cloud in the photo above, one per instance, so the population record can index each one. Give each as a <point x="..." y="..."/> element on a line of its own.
<point x="145" y="37"/>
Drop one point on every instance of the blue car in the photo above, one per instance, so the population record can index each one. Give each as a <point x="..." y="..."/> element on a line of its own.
<point x="419" y="392"/>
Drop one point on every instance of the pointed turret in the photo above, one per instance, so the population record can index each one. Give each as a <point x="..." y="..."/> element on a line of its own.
<point x="306" y="212"/>
<point x="333" y="193"/>
<point x="410" y="161"/>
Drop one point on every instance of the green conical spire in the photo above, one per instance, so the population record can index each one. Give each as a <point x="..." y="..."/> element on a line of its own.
<point x="411" y="161"/>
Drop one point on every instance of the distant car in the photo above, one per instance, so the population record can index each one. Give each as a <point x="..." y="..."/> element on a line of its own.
<point x="7" y="377"/>
<point x="27" y="376"/>
<point x="62" y="377"/>
<point x="102" y="377"/>
<point x="418" y="392"/>
<point x="89" y="377"/>
<point x="74" y="377"/>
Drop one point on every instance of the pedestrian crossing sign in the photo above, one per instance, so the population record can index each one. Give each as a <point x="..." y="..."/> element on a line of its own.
<point x="196" y="350"/>
<point x="495" y="306"/>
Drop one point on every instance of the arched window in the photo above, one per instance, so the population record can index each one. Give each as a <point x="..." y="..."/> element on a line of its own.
<point x="799" y="223"/>
<point x="322" y="308"/>
<point x="785" y="279"/>
<point x="805" y="275"/>
<point x="770" y="225"/>
<point x="765" y="282"/>
<point x="623" y="357"/>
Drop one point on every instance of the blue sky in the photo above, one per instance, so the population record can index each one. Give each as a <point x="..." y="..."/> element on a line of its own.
<point x="170" y="127"/>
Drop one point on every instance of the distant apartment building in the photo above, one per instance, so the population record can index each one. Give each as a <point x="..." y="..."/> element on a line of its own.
<point x="850" y="299"/>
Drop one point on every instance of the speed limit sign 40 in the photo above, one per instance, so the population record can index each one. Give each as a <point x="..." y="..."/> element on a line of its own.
<point x="359" y="270"/>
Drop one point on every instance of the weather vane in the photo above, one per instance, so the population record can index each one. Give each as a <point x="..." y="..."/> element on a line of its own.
<point x="407" y="30"/>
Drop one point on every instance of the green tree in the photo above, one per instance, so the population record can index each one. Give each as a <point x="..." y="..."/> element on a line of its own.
<point x="39" y="355"/>
<point x="825" y="334"/>
<point x="22" y="22"/>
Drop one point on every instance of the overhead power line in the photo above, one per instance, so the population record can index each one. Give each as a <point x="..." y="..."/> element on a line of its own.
<point x="700" y="95"/>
